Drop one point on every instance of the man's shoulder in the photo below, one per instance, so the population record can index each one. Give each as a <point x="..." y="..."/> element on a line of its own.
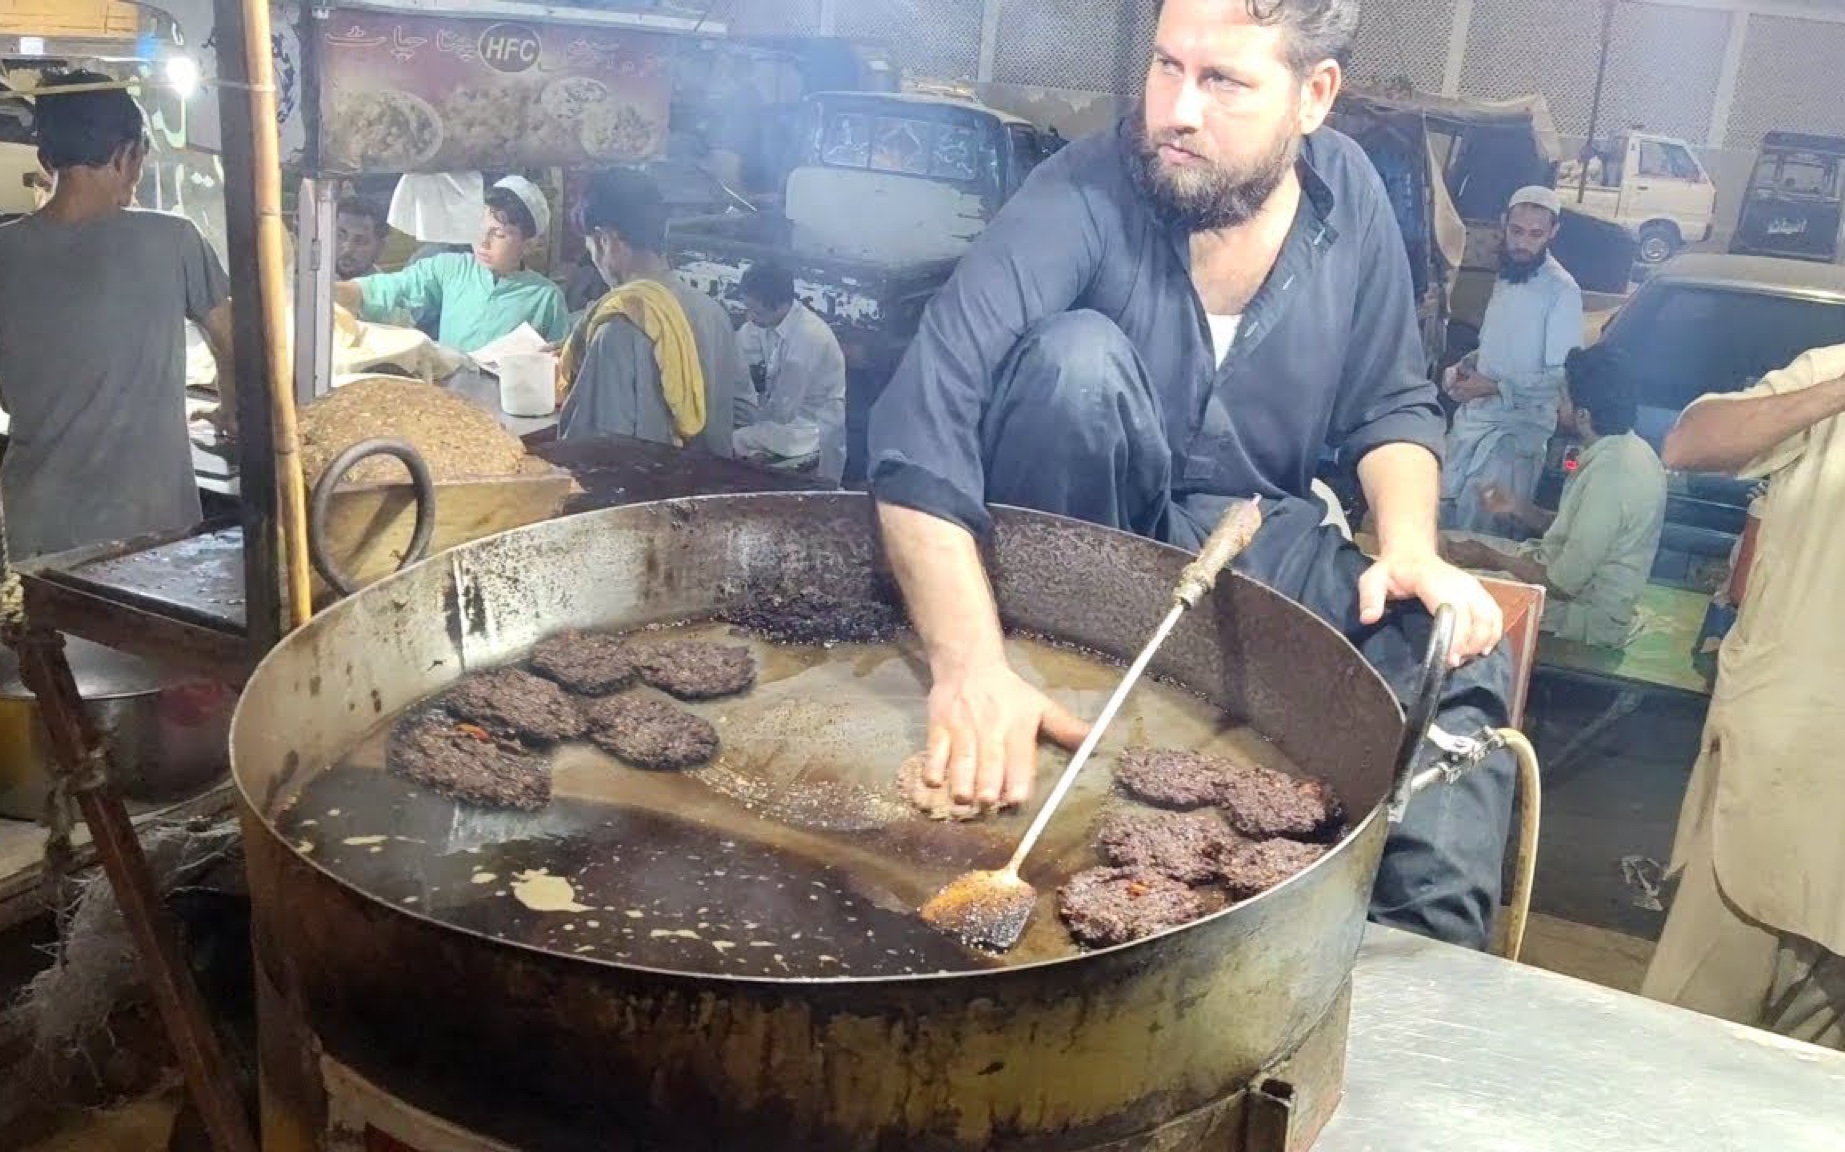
<point x="1560" y="278"/>
<point x="1089" y="165"/>
<point x="1346" y="170"/>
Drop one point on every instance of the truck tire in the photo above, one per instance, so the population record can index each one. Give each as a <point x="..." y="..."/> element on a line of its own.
<point x="1659" y="242"/>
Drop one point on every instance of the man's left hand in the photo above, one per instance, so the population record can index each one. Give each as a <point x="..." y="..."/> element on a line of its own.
<point x="1478" y="623"/>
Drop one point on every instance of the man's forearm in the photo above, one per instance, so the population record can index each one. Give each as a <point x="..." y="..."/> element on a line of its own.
<point x="1535" y="519"/>
<point x="944" y="584"/>
<point x="1725" y="436"/>
<point x="348" y="295"/>
<point x="1402" y="483"/>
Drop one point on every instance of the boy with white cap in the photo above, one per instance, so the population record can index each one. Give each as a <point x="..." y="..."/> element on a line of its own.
<point x="1508" y="396"/>
<point x="479" y="297"/>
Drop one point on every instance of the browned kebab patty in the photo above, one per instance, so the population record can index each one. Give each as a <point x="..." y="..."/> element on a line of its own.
<point x="1183" y="845"/>
<point x="1264" y="804"/>
<point x="512" y="702"/>
<point x="1251" y="868"/>
<point x="587" y="663"/>
<point x="1107" y="906"/>
<point x="1170" y="778"/>
<point x="650" y="733"/>
<point x="466" y="762"/>
<point x="697" y="669"/>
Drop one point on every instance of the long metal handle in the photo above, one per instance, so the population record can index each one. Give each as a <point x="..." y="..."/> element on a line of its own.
<point x="1234" y="531"/>
<point x="1095" y="737"/>
<point x="1238" y="526"/>
<point x="1430" y="687"/>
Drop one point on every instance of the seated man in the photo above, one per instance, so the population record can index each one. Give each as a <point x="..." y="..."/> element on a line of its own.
<point x="1507" y="393"/>
<point x="802" y="384"/>
<point x="1597" y="549"/>
<point x="479" y="297"/>
<point x="654" y="358"/>
<point x="1164" y="319"/>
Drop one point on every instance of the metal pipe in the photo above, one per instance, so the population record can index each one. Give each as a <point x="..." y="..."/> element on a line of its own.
<point x="1595" y="101"/>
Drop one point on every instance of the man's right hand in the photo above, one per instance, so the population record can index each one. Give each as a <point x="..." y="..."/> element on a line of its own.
<point x="984" y="721"/>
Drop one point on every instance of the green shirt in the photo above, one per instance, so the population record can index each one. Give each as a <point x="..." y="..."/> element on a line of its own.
<point x="476" y="307"/>
<point x="1598" y="555"/>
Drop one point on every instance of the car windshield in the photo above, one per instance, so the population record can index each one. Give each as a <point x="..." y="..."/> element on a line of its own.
<point x="1689" y="340"/>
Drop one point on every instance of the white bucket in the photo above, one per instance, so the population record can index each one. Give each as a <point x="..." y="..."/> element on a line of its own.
<point x="528" y="384"/>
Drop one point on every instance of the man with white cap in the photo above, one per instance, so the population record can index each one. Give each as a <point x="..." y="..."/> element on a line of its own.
<point x="1509" y="391"/>
<point x="479" y="297"/>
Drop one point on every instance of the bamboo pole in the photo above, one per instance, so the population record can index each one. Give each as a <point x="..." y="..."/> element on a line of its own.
<point x="266" y="154"/>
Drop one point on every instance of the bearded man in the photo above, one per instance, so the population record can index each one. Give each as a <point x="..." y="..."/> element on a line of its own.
<point x="1508" y="394"/>
<point x="1168" y="317"/>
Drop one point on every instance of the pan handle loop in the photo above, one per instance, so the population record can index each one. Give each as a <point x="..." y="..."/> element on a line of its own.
<point x="1431" y="686"/>
<point x="420" y="482"/>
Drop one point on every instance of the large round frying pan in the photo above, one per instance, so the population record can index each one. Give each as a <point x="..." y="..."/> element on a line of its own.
<point x="541" y="1048"/>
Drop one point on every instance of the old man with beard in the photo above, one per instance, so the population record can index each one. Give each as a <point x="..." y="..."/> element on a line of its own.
<point x="1168" y="317"/>
<point x="1508" y="394"/>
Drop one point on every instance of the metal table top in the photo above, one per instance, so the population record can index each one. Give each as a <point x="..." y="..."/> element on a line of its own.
<point x="1453" y="1050"/>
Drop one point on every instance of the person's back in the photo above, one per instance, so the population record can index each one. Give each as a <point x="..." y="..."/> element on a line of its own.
<point x="94" y="301"/>
<point x="613" y="368"/>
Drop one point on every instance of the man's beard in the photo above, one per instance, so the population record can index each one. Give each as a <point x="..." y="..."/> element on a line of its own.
<point x="1518" y="269"/>
<point x="1209" y="194"/>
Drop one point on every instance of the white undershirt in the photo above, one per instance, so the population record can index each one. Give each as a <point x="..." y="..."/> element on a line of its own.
<point x="1223" y="334"/>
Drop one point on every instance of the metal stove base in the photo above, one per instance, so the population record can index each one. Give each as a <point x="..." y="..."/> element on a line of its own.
<point x="312" y="1102"/>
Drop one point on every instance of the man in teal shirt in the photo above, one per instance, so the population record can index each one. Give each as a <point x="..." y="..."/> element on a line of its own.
<point x="479" y="297"/>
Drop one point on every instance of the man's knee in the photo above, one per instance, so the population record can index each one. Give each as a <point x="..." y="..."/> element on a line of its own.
<point x="1074" y="365"/>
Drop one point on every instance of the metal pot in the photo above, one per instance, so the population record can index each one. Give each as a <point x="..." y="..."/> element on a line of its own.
<point x="167" y="731"/>
<point x="1169" y="1042"/>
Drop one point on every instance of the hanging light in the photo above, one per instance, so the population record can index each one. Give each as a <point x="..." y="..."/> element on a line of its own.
<point x="182" y="75"/>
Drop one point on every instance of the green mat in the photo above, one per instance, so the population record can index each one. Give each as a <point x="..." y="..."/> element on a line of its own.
<point x="1661" y="656"/>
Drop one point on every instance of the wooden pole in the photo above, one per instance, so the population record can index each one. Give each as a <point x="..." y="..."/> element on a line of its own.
<point x="264" y="620"/>
<point x="266" y="156"/>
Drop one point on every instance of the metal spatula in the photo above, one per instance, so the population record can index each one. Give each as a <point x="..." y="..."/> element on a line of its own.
<point x="989" y="910"/>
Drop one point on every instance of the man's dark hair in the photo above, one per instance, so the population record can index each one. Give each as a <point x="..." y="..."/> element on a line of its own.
<point x="768" y="282"/>
<point x="511" y="211"/>
<point x="629" y="204"/>
<point x="85" y="129"/>
<point x="1316" y="29"/>
<point x="1601" y="382"/>
<point x="369" y="210"/>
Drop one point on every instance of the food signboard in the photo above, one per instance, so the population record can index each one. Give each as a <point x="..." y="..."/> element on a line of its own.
<point x="404" y="92"/>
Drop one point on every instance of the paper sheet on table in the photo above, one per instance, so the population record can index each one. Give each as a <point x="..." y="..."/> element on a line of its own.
<point x="522" y="339"/>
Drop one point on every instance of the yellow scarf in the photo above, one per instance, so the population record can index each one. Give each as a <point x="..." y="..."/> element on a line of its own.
<point x="650" y="306"/>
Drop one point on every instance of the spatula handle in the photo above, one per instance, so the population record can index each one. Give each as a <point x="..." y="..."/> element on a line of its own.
<point x="1239" y="525"/>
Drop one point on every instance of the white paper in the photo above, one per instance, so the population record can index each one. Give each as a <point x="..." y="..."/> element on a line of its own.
<point x="524" y="338"/>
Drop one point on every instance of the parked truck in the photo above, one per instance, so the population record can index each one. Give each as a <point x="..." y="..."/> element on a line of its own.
<point x="885" y="193"/>
<point x="1793" y="206"/>
<point x="1653" y="186"/>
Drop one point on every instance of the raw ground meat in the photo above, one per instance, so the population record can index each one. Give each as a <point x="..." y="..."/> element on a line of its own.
<point x="1265" y="805"/>
<point x="935" y="803"/>
<point x="1107" y="906"/>
<point x="1251" y="869"/>
<point x="510" y="702"/>
<point x="696" y="669"/>
<point x="1183" y="845"/>
<point x="587" y="663"/>
<point x="1169" y="778"/>
<point x="650" y="733"/>
<point x="433" y="749"/>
